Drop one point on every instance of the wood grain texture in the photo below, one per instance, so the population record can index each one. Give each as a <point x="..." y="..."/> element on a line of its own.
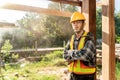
<point x="108" y="38"/>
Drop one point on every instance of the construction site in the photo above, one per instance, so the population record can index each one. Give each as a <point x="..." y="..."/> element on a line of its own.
<point x="42" y="31"/>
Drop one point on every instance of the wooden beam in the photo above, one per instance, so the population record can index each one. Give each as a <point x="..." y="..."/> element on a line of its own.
<point x="99" y="3"/>
<point x="36" y="9"/>
<point x="7" y="25"/>
<point x="75" y="3"/>
<point x="89" y="10"/>
<point x="108" y="40"/>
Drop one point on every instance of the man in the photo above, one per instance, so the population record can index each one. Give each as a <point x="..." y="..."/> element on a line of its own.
<point x="80" y="51"/>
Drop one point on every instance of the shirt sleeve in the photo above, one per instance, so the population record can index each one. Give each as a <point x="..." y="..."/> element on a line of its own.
<point x="88" y="53"/>
<point x="66" y="56"/>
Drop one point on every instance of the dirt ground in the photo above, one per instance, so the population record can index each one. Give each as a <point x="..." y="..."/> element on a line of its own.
<point x="55" y="70"/>
<point x="59" y="71"/>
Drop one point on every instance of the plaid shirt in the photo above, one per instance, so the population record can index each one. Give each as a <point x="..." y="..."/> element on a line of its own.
<point x="87" y="54"/>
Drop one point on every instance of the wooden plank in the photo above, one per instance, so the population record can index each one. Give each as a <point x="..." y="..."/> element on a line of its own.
<point x="89" y="10"/>
<point x="99" y="3"/>
<point x="75" y="3"/>
<point x="36" y="9"/>
<point x="7" y="25"/>
<point x="108" y="40"/>
<point x="33" y="50"/>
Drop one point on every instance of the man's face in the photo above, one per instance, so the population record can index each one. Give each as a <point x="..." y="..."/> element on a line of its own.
<point x="78" y="26"/>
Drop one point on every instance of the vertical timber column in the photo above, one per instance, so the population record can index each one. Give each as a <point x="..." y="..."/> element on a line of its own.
<point x="89" y="10"/>
<point x="108" y="40"/>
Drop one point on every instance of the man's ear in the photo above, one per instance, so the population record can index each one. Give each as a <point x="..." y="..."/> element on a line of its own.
<point x="84" y="24"/>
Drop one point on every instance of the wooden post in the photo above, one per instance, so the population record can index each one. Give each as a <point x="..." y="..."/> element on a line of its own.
<point x="36" y="46"/>
<point x="89" y="10"/>
<point x="108" y="40"/>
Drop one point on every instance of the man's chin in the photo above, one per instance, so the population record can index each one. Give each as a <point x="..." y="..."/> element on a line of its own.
<point x="76" y="31"/>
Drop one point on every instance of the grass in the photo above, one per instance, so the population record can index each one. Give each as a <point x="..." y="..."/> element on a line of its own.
<point x="118" y="71"/>
<point x="32" y="70"/>
<point x="40" y="70"/>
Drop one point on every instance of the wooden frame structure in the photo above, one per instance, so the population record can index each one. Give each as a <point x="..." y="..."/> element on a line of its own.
<point x="89" y="9"/>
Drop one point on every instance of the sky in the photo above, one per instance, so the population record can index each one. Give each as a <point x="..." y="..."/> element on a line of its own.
<point x="117" y="5"/>
<point x="12" y="15"/>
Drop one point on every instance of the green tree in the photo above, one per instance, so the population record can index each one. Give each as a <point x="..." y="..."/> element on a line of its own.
<point x="59" y="28"/>
<point x="117" y="26"/>
<point x="6" y="50"/>
<point x="117" y="23"/>
<point x="99" y="23"/>
<point x="33" y="24"/>
<point x="47" y="30"/>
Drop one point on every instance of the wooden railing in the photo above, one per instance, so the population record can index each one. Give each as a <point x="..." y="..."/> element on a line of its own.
<point x="42" y="51"/>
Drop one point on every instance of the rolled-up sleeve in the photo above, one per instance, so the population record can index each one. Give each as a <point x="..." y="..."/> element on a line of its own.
<point x="66" y="56"/>
<point x="87" y="53"/>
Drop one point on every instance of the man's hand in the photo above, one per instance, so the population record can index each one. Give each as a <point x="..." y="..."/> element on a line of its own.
<point x="68" y="55"/>
<point x="70" y="52"/>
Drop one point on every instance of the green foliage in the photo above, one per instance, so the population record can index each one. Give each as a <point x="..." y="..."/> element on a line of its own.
<point x="47" y="30"/>
<point x="117" y="26"/>
<point x="36" y="70"/>
<point x="117" y="23"/>
<point x="59" y="28"/>
<point x="6" y="48"/>
<point x="99" y="23"/>
<point x="15" y="56"/>
<point x="118" y="71"/>
<point x="118" y="39"/>
<point x="6" y="56"/>
<point x="28" y="74"/>
<point x="49" y="77"/>
<point x="64" y="7"/>
<point x="13" y="66"/>
<point x="52" y="56"/>
<point x="6" y="51"/>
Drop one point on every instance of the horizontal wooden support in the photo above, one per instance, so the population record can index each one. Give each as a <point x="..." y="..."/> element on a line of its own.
<point x="6" y="25"/>
<point x="99" y="3"/>
<point x="75" y="3"/>
<point x="36" y="9"/>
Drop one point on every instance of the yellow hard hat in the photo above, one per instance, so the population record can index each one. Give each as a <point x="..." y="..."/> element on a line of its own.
<point x="77" y="16"/>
